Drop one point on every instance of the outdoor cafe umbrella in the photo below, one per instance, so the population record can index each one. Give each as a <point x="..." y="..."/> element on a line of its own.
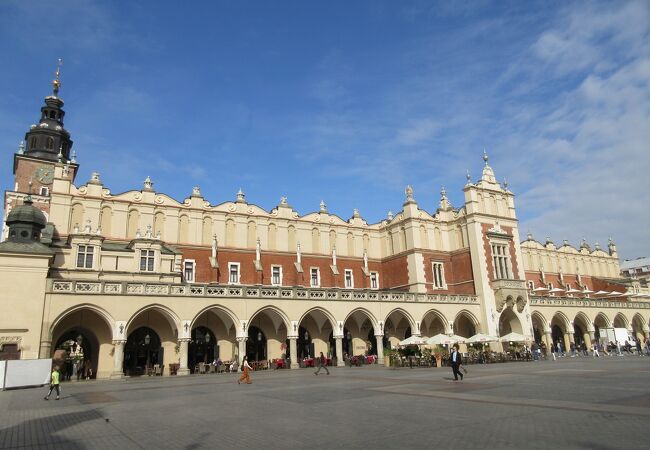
<point x="513" y="337"/>
<point x="480" y="337"/>
<point x="413" y="340"/>
<point x="444" y="339"/>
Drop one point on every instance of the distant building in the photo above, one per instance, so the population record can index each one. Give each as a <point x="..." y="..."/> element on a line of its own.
<point x="138" y="279"/>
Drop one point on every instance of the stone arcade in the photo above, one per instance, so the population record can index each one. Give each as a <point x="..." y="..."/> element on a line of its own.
<point x="139" y="277"/>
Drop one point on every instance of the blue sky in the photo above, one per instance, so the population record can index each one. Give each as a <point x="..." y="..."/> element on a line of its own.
<point x="349" y="102"/>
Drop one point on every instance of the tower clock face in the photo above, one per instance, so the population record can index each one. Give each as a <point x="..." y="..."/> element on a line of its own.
<point x="45" y="174"/>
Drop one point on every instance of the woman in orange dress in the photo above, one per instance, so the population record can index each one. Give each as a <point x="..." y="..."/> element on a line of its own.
<point x="246" y="375"/>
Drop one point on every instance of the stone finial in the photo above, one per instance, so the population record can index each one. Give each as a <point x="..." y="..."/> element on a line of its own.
<point x="298" y="253"/>
<point x="444" y="201"/>
<point x="241" y="197"/>
<point x="148" y="184"/>
<point x="505" y="184"/>
<point x="485" y="156"/>
<point x="87" y="227"/>
<point x="323" y="206"/>
<point x="138" y="234"/>
<point x="66" y="170"/>
<point x="468" y="177"/>
<point x="409" y="194"/>
<point x="98" y="231"/>
<point x="283" y="201"/>
<point x="75" y="229"/>
<point x="21" y="148"/>
<point x="73" y="160"/>
<point x="355" y="213"/>
<point x="334" y="255"/>
<point x="94" y="178"/>
<point x="196" y="191"/>
<point x="214" y="246"/>
<point x="390" y="215"/>
<point x="149" y="233"/>
<point x="565" y="242"/>
<point x="365" y="259"/>
<point x="258" y="249"/>
<point x="597" y="246"/>
<point x="529" y="236"/>
<point x="59" y="156"/>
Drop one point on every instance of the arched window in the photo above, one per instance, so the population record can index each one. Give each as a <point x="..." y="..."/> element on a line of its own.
<point x="49" y="143"/>
<point x="32" y="142"/>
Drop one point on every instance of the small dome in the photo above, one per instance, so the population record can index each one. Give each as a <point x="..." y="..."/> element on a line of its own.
<point x="27" y="213"/>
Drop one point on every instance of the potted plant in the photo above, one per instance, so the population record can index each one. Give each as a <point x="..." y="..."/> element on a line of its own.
<point x="440" y="352"/>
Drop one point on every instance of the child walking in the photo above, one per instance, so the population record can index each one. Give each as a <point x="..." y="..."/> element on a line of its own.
<point x="54" y="383"/>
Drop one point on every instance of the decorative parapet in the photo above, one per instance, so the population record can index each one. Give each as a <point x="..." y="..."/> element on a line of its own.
<point x="586" y="303"/>
<point x="255" y="292"/>
<point x="508" y="284"/>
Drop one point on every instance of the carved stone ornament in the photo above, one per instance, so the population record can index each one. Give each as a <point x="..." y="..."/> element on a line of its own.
<point x="521" y="303"/>
<point x="83" y="190"/>
<point x="500" y="302"/>
<point x="137" y="197"/>
<point x="232" y="207"/>
<point x="159" y="200"/>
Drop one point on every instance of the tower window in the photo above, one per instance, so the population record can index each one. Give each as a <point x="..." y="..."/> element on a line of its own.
<point x="49" y="143"/>
<point x="374" y="280"/>
<point x="32" y="142"/>
<point x="52" y="114"/>
<point x="85" y="255"/>
<point x="189" y="270"/>
<point x="147" y="260"/>
<point x="500" y="261"/>
<point x="315" y="277"/>
<point x="349" y="279"/>
<point x="233" y="273"/>
<point x="276" y="275"/>
<point x="438" y="275"/>
<point x="44" y="191"/>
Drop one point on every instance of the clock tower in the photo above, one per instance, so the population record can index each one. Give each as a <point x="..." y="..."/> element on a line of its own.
<point x="46" y="146"/>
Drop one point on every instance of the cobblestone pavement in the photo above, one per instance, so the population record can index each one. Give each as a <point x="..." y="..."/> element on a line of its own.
<point x="571" y="403"/>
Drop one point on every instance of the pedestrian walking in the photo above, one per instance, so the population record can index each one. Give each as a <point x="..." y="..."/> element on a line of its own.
<point x="456" y="361"/>
<point x="321" y="364"/>
<point x="594" y="347"/>
<point x="638" y="347"/>
<point x="54" y="383"/>
<point x="246" y="375"/>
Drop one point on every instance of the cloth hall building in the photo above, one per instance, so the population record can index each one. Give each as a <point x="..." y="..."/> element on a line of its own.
<point x="139" y="277"/>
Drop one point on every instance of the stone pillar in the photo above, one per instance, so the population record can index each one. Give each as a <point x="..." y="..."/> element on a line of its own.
<point x="183" y="369"/>
<point x="549" y="341"/>
<point x="241" y="342"/>
<point x="118" y="359"/>
<point x="338" y="340"/>
<point x="592" y="339"/>
<point x="45" y="351"/>
<point x="380" y="348"/>
<point x="293" y="351"/>
<point x="568" y="339"/>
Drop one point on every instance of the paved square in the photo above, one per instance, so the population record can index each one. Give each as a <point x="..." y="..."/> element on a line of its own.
<point x="570" y="403"/>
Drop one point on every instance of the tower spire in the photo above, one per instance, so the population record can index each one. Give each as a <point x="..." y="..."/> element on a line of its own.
<point x="56" y="83"/>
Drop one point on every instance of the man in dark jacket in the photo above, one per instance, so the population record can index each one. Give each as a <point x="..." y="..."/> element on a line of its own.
<point x="456" y="361"/>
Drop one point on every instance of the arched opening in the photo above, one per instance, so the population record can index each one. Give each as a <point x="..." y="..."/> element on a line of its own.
<point x="267" y="335"/>
<point x="539" y="327"/>
<point x="202" y="347"/>
<point x="359" y="325"/>
<point x="256" y="344"/>
<point x="142" y="351"/>
<point x="601" y="321"/>
<point x="620" y="321"/>
<point x="509" y="322"/>
<point x="316" y="334"/>
<point x="433" y="323"/>
<point x="82" y="345"/>
<point x="152" y="339"/>
<point x="464" y="325"/>
<point x="397" y="327"/>
<point x="637" y="328"/>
